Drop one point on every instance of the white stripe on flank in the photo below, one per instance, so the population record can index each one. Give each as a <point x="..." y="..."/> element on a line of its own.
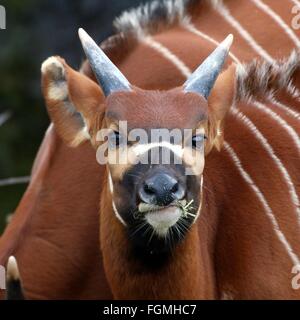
<point x="219" y="6"/>
<point x="180" y="65"/>
<point x="190" y="27"/>
<point x="279" y="20"/>
<point x="264" y="202"/>
<point x="285" y="108"/>
<point x="264" y="142"/>
<point x="223" y="10"/>
<point x="290" y="130"/>
<point x="270" y="150"/>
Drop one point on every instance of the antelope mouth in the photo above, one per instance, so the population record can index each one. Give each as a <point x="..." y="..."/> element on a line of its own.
<point x="161" y="219"/>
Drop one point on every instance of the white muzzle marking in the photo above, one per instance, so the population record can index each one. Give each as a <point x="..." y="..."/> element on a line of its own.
<point x="162" y="220"/>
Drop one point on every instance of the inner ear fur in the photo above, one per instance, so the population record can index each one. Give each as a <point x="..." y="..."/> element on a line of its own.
<point x="73" y="100"/>
<point x="219" y="103"/>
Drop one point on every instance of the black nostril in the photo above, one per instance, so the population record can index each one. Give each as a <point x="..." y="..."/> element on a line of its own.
<point x="149" y="189"/>
<point x="175" y="188"/>
<point x="161" y="189"/>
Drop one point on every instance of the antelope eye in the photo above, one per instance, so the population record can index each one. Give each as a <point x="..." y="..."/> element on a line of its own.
<point x="198" y="140"/>
<point x="115" y="139"/>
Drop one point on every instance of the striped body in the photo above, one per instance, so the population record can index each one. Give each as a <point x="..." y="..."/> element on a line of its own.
<point x="259" y="165"/>
<point x="251" y="187"/>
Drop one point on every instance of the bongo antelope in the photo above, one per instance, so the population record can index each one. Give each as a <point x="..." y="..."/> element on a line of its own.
<point x="244" y="242"/>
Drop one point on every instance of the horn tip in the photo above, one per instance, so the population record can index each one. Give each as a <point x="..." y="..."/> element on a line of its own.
<point x="12" y="269"/>
<point x="228" y="41"/>
<point x="14" y="289"/>
<point x="82" y="34"/>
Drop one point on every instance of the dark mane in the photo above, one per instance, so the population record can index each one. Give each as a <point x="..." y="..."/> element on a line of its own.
<point x="149" y="18"/>
<point x="256" y="79"/>
<point x="260" y="79"/>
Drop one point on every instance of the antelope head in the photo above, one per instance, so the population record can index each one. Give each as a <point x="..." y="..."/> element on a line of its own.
<point x="153" y="143"/>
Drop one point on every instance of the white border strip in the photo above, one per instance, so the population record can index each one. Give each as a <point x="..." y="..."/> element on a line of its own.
<point x="13" y="181"/>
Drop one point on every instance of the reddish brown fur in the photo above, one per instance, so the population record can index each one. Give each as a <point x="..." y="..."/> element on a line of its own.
<point x="150" y="109"/>
<point x="240" y="253"/>
<point x="188" y="275"/>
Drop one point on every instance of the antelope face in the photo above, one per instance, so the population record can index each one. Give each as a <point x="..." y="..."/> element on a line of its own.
<point x="153" y="143"/>
<point x="156" y="146"/>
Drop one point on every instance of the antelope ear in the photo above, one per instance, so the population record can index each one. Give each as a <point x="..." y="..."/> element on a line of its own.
<point x="219" y="103"/>
<point x="72" y="99"/>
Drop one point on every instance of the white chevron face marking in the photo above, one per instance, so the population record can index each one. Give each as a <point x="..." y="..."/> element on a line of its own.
<point x="140" y="149"/>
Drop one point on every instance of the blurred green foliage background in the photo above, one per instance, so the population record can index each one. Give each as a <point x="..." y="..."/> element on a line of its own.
<point x="34" y="31"/>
